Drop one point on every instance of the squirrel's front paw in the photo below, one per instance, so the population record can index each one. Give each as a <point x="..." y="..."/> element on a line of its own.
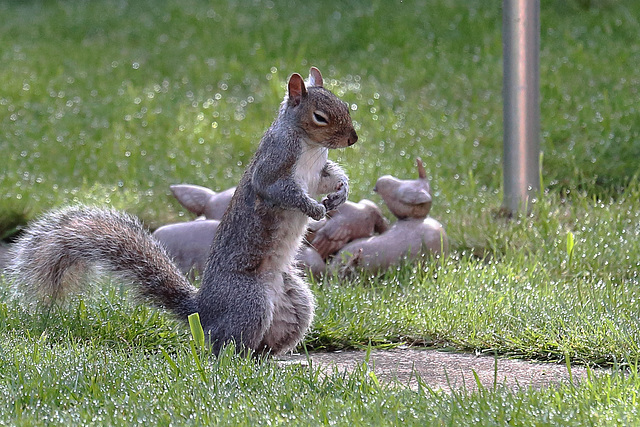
<point x="318" y="212"/>
<point x="333" y="200"/>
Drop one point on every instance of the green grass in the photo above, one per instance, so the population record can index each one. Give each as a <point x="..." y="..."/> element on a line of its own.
<point x="110" y="102"/>
<point x="80" y="365"/>
<point x="63" y="384"/>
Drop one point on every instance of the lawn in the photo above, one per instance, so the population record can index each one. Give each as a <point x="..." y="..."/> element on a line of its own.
<point x="110" y="102"/>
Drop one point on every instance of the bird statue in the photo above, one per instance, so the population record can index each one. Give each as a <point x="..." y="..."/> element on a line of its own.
<point x="413" y="235"/>
<point x="406" y="198"/>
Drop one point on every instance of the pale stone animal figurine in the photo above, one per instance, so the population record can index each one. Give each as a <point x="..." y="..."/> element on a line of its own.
<point x="313" y="227"/>
<point x="203" y="201"/>
<point x="188" y="243"/>
<point x="349" y="222"/>
<point x="409" y="238"/>
<point x="309" y="260"/>
<point x="412" y="236"/>
<point x="406" y="198"/>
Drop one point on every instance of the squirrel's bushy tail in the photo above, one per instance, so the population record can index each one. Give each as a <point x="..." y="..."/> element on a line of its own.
<point x="56" y="253"/>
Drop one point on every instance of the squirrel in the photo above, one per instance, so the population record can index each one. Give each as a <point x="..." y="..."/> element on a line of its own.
<point x="251" y="292"/>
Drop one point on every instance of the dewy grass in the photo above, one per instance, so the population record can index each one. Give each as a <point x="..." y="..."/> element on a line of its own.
<point x="51" y="383"/>
<point x="130" y="98"/>
<point x="110" y="102"/>
<point x="514" y="308"/>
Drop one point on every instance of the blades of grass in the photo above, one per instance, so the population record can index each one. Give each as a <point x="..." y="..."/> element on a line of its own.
<point x="196" y="359"/>
<point x="495" y="370"/>
<point x="172" y="364"/>
<point x="567" y="361"/>
<point x="570" y="247"/>
<point x="197" y="343"/>
<point x="196" y="329"/>
<point x="479" y="384"/>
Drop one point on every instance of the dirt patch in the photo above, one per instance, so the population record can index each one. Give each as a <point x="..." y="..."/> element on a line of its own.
<point x="447" y="371"/>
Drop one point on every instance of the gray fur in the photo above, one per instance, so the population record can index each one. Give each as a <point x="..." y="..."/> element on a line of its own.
<point x="251" y="292"/>
<point x="57" y="253"/>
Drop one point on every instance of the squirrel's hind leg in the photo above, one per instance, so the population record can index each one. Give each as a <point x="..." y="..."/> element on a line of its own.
<point x="293" y="308"/>
<point x="235" y="313"/>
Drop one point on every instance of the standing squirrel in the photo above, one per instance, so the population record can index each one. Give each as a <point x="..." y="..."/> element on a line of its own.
<point x="251" y="291"/>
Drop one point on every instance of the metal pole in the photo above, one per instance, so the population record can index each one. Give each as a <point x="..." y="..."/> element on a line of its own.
<point x="521" y="88"/>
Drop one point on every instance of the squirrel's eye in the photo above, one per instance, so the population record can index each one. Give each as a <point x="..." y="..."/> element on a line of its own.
<point x="320" y="118"/>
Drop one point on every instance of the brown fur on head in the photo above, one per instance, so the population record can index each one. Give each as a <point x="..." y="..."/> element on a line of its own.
<point x="322" y="119"/>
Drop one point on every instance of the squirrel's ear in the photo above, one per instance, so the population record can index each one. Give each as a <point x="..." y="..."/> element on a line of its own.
<point x="315" y="78"/>
<point x="296" y="88"/>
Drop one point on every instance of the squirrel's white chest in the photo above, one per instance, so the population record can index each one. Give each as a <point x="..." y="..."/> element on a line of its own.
<point x="309" y="167"/>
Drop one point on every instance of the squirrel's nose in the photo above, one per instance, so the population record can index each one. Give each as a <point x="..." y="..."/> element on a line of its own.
<point x="352" y="138"/>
